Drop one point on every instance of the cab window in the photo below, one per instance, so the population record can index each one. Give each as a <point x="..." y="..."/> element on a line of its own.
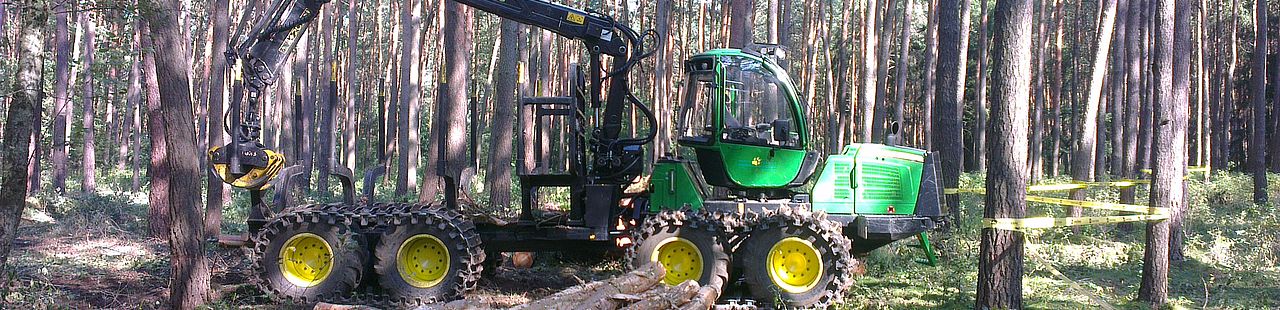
<point x="755" y="108"/>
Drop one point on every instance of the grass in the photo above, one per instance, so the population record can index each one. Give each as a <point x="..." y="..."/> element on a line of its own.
<point x="1232" y="249"/>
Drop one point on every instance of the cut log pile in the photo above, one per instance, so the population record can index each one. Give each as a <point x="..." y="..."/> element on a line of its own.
<point x="638" y="289"/>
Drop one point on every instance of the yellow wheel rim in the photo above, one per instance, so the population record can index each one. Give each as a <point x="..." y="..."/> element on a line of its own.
<point x="423" y="261"/>
<point x="306" y="260"/>
<point x="794" y="265"/>
<point x="680" y="258"/>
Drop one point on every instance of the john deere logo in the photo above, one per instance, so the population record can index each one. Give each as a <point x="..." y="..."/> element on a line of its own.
<point x="755" y="161"/>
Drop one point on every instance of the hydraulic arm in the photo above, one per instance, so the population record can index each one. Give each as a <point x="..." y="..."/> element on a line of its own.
<point x="616" y="160"/>
<point x="244" y="162"/>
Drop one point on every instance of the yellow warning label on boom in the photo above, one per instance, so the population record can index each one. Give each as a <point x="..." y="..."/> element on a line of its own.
<point x="576" y="18"/>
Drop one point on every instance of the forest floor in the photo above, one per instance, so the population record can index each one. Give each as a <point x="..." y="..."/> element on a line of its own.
<point x="92" y="251"/>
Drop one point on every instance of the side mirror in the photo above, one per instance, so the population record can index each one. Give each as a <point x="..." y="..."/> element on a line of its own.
<point x="782" y="130"/>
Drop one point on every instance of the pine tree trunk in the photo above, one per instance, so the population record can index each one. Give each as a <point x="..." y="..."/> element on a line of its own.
<point x="189" y="282"/>
<point x="1258" y="79"/>
<point x="979" y="155"/>
<point x="903" y="59"/>
<point x="880" y="107"/>
<point x="1168" y="157"/>
<point x="457" y="37"/>
<point x="350" y="129"/>
<point x="1083" y="162"/>
<point x="930" y="71"/>
<point x="498" y="176"/>
<point x="1144" y="110"/>
<point x="741" y="22"/>
<point x="24" y="85"/>
<point x="870" y="43"/>
<point x="61" y="95"/>
<point x="216" y="192"/>
<point x="953" y="42"/>
<point x="329" y="101"/>
<point x="1036" y="143"/>
<point x="159" y="208"/>
<point x="407" y="172"/>
<point x="88" y="163"/>
<point x="1181" y="97"/>
<point x="1001" y="258"/>
<point x="136" y="106"/>
<point x="1119" y="78"/>
<point x="1055" y="95"/>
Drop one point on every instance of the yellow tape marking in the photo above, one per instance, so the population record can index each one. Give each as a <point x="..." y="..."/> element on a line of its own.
<point x="1025" y="224"/>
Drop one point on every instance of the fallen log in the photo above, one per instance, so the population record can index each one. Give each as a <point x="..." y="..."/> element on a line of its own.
<point x="666" y="298"/>
<point x="588" y="295"/>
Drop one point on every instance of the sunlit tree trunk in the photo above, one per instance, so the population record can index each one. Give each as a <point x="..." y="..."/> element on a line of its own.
<point x="1258" y="84"/>
<point x="979" y="155"/>
<point x="88" y="160"/>
<point x="1001" y="257"/>
<point x="24" y="85"/>
<point x="215" y="191"/>
<point x="61" y="95"/>
<point x="1168" y="162"/>
<point x="407" y="174"/>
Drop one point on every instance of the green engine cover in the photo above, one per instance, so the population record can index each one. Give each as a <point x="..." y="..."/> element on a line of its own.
<point x="870" y="179"/>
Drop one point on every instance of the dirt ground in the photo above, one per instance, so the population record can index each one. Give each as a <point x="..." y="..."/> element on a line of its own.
<point x="89" y="261"/>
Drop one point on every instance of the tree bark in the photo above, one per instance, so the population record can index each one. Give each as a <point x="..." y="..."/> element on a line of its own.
<point x="410" y="22"/>
<point x="741" y="22"/>
<point x="1083" y="162"/>
<point x="903" y="59"/>
<point x="189" y="282"/>
<point x="158" y="209"/>
<point x="457" y="33"/>
<point x="61" y="95"/>
<point x="880" y="107"/>
<point x="979" y="155"/>
<point x="870" y="64"/>
<point x="1036" y="144"/>
<point x="930" y="71"/>
<point x="1181" y="98"/>
<point x="1055" y="95"/>
<point x="216" y="192"/>
<point x="1258" y="80"/>
<point x="328" y="77"/>
<point x="1001" y="258"/>
<point x="135" y="111"/>
<point x="25" y="87"/>
<point x="498" y="176"/>
<point x="89" y="182"/>
<point x="1168" y="160"/>
<point x="953" y="42"/>
<point x="351" y="128"/>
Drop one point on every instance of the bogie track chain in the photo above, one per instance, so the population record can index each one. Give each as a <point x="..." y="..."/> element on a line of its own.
<point x="366" y="217"/>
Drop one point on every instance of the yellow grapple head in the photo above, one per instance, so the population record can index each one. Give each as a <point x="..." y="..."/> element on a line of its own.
<point x="263" y="166"/>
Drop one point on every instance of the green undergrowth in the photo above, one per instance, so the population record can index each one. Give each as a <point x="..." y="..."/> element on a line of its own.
<point x="1232" y="249"/>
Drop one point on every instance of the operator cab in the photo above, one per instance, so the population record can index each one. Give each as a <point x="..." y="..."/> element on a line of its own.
<point x="741" y="117"/>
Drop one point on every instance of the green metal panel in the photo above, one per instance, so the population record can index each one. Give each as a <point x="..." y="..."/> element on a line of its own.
<point x="870" y="179"/>
<point x="761" y="166"/>
<point x="673" y="188"/>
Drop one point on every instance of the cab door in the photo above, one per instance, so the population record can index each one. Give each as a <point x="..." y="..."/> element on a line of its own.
<point x="760" y="140"/>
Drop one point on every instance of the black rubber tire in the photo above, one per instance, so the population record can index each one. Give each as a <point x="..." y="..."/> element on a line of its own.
<point x="465" y="259"/>
<point x="699" y="228"/>
<point x="825" y="236"/>
<point x="348" y="261"/>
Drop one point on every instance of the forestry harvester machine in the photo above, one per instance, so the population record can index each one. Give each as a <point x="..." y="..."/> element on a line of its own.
<point x="731" y="210"/>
